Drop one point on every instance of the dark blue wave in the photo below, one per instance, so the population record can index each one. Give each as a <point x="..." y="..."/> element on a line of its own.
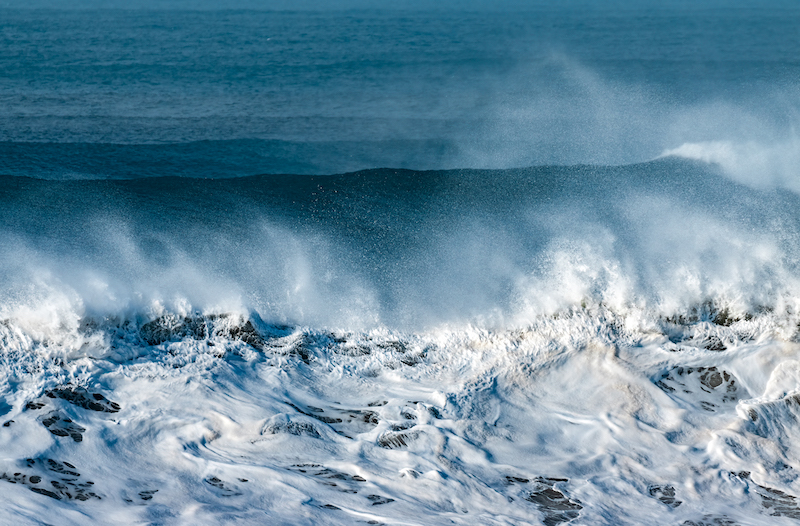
<point x="215" y="159"/>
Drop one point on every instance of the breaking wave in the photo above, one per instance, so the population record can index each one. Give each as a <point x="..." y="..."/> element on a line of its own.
<point x="502" y="346"/>
<point x="398" y="249"/>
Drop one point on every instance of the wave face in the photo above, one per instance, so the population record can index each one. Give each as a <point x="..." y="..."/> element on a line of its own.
<point x="573" y="298"/>
<point x="401" y="249"/>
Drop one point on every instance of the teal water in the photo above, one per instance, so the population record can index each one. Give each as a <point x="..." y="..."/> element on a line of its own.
<point x="399" y="264"/>
<point x="351" y="89"/>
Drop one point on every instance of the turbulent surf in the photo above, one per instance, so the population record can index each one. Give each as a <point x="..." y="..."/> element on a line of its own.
<point x="574" y="296"/>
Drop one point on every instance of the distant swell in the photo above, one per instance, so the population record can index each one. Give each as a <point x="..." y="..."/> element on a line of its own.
<point x="216" y="158"/>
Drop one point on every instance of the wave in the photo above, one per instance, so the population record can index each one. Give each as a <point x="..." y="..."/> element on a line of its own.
<point x="217" y="158"/>
<point x="426" y="344"/>
<point x="398" y="248"/>
<point x="596" y="322"/>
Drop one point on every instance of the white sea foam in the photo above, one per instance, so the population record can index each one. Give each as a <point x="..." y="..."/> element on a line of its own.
<point x="229" y="423"/>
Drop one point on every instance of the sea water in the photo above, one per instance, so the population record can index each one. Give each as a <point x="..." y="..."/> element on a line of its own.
<point x="400" y="264"/>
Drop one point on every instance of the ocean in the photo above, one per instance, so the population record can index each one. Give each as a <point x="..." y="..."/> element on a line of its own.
<point x="503" y="264"/>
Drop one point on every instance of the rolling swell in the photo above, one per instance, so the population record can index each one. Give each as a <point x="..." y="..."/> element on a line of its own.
<point x="216" y="158"/>
<point x="400" y="247"/>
